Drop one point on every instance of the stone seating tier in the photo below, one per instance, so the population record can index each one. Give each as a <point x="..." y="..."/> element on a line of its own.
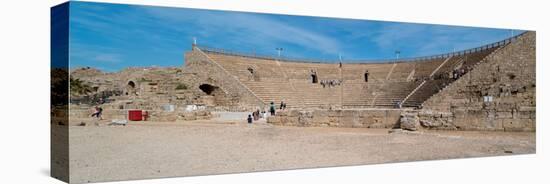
<point x="388" y="83"/>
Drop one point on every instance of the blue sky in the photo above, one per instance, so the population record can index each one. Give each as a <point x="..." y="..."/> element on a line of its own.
<point x="115" y="36"/>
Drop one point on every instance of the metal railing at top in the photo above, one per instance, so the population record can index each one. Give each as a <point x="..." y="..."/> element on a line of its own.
<point x="304" y="60"/>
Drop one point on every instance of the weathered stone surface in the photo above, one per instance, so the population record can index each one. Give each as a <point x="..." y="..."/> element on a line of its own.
<point x="305" y="118"/>
<point x="409" y="121"/>
<point x="276" y="120"/>
<point x="508" y="75"/>
<point x="338" y="118"/>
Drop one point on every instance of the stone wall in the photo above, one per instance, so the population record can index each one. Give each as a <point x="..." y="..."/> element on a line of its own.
<point x="356" y="118"/>
<point x="208" y="72"/>
<point x="164" y="116"/>
<point x="178" y="114"/>
<point x="507" y="76"/>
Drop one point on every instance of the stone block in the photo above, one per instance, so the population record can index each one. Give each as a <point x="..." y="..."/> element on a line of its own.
<point x="289" y="120"/>
<point x="409" y="122"/>
<point x="294" y="113"/>
<point x="318" y="120"/>
<point x="504" y="115"/>
<point x="276" y="120"/>
<point x="320" y="113"/>
<point x="335" y="113"/>
<point x="527" y="108"/>
<point x="518" y="125"/>
<point x="459" y="113"/>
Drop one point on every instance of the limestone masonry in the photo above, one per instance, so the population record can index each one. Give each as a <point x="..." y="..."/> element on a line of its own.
<point x="491" y="87"/>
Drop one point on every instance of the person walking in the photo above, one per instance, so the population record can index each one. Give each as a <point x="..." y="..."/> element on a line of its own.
<point x="249" y="119"/>
<point x="97" y="113"/>
<point x="272" y="109"/>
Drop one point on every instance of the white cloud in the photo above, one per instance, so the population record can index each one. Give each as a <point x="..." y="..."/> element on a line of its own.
<point x="250" y="28"/>
<point x="110" y="58"/>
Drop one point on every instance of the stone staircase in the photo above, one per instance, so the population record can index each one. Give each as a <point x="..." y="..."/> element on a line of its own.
<point x="434" y="86"/>
<point x="388" y="83"/>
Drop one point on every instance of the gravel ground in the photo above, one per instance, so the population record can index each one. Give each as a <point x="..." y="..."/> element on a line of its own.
<point x="156" y="149"/>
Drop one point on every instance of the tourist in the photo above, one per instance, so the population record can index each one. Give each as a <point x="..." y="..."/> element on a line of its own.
<point x="257" y="115"/>
<point x="249" y="119"/>
<point x="254" y="116"/>
<point x="455" y="74"/>
<point x="99" y="115"/>
<point x="398" y="104"/>
<point x="97" y="112"/>
<point x="264" y="114"/>
<point x="272" y="109"/>
<point x="281" y="106"/>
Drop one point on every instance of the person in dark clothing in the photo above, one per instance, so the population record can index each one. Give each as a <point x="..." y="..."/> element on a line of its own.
<point x="98" y="112"/>
<point x="272" y="109"/>
<point x="249" y="119"/>
<point x="254" y="116"/>
<point x="257" y="115"/>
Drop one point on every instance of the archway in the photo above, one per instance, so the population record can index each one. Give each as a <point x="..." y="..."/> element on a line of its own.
<point x="215" y="95"/>
<point x="131" y="88"/>
<point x="314" y="78"/>
<point x="208" y="89"/>
<point x="131" y="85"/>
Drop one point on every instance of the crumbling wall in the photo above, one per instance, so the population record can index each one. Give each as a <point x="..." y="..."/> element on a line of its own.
<point x="164" y="116"/>
<point x="362" y="118"/>
<point x="208" y="72"/>
<point x="498" y="94"/>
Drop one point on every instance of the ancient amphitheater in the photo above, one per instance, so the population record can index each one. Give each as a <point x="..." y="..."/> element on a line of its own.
<point x="336" y="115"/>
<point x="491" y="87"/>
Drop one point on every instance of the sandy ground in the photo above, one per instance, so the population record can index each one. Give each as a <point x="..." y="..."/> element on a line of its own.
<point x="155" y="149"/>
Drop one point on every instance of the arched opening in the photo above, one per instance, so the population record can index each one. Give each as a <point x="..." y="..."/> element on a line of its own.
<point x="215" y="96"/>
<point x="131" y="85"/>
<point x="314" y="78"/>
<point x="208" y="89"/>
<point x="253" y="75"/>
<point x="367" y="76"/>
<point x="131" y="88"/>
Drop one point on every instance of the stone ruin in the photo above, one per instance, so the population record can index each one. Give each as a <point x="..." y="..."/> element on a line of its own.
<point x="491" y="87"/>
<point x="165" y="93"/>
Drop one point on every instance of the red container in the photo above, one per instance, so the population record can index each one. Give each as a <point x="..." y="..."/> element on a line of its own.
<point x="135" y="115"/>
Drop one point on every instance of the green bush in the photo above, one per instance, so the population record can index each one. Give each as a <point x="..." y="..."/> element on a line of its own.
<point x="145" y="80"/>
<point x="181" y="86"/>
